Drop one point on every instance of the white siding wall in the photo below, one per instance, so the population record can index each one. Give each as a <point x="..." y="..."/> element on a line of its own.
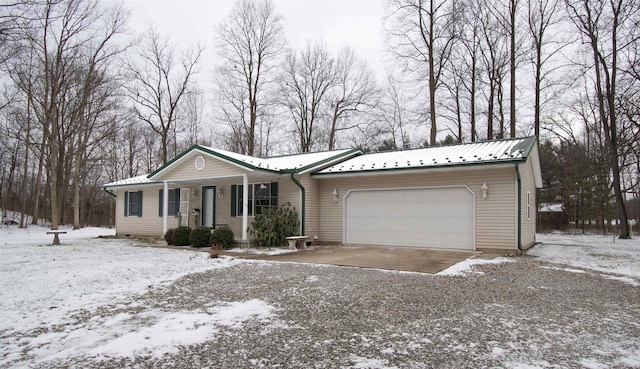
<point x="495" y="216"/>
<point x="223" y="208"/>
<point x="528" y="223"/>
<point x="186" y="168"/>
<point x="288" y="192"/>
<point x="149" y="224"/>
<point x="312" y="221"/>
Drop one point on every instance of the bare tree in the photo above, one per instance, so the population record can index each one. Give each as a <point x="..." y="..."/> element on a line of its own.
<point x="421" y="35"/>
<point x="250" y="43"/>
<point x="159" y="81"/>
<point x="494" y="58"/>
<point x="306" y="79"/>
<point x="192" y="117"/>
<point x="353" y="94"/>
<point x="513" y="9"/>
<point x="14" y="18"/>
<point x="608" y="28"/>
<point x="470" y="43"/>
<point x="394" y="113"/>
<point x="69" y="42"/>
<point x="542" y="15"/>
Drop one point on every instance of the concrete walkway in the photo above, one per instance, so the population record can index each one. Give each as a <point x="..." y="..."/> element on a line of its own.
<point x="410" y="259"/>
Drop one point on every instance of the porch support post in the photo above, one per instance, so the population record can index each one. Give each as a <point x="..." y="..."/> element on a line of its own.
<point x="245" y="206"/>
<point x="165" y="208"/>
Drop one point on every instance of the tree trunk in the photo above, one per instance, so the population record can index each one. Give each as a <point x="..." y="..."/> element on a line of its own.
<point x="490" y="110"/>
<point x="25" y="167"/>
<point x="36" y="189"/>
<point x="432" y="81"/>
<point x="473" y="97"/>
<point x="54" y="176"/>
<point x="512" y="66"/>
<point x="500" y="96"/>
<point x="76" y="191"/>
<point x="334" y="123"/>
<point x="611" y="140"/>
<point x="538" y="77"/>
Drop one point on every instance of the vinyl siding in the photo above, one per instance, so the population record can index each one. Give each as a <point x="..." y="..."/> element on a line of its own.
<point x="223" y="208"/>
<point x="288" y="192"/>
<point x="149" y="224"/>
<point x="185" y="169"/>
<point x="312" y="205"/>
<point x="495" y="218"/>
<point x="528" y="185"/>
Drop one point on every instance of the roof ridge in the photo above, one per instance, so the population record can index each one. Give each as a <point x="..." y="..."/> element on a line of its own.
<point x="454" y="145"/>
<point x="307" y="153"/>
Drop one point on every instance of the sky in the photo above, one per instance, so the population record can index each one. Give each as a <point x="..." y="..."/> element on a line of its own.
<point x="357" y="23"/>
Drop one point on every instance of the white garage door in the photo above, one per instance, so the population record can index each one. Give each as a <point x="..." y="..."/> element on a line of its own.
<point x="426" y="217"/>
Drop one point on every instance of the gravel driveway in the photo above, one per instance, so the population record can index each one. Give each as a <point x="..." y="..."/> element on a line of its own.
<point x="524" y="313"/>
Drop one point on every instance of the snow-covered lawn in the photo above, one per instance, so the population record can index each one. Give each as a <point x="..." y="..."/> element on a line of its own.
<point x="45" y="288"/>
<point x="83" y="298"/>
<point x="615" y="258"/>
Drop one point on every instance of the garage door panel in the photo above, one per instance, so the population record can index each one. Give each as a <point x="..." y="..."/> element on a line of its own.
<point x="428" y="217"/>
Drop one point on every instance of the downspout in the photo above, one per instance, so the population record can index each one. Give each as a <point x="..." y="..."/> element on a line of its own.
<point x="519" y="207"/>
<point x="301" y="187"/>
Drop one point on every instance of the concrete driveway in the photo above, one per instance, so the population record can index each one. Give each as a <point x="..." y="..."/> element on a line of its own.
<point x="410" y="259"/>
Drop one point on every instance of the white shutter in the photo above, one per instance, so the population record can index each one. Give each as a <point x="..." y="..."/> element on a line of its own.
<point x="184" y="206"/>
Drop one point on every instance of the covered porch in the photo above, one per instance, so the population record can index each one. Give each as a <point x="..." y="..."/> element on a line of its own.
<point x="225" y="201"/>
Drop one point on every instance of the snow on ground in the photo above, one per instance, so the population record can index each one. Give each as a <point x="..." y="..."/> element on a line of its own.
<point x="466" y="266"/>
<point x="80" y="298"/>
<point x="45" y="288"/>
<point x="606" y="254"/>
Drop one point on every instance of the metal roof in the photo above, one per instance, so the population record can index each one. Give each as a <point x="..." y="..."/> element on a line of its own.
<point x="488" y="152"/>
<point x="499" y="151"/>
<point x="278" y="164"/>
<point x="286" y="162"/>
<point x="139" y="180"/>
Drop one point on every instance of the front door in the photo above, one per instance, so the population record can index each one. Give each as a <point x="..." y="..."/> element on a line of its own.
<point x="209" y="206"/>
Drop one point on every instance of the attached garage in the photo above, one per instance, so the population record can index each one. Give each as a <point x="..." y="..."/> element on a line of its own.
<point x="441" y="217"/>
<point x="475" y="196"/>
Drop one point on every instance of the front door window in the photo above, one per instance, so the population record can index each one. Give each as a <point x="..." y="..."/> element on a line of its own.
<point x="209" y="206"/>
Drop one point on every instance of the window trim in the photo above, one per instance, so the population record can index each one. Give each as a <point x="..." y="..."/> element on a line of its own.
<point x="175" y="200"/>
<point x="127" y="204"/>
<point x="236" y="198"/>
<point x="528" y="205"/>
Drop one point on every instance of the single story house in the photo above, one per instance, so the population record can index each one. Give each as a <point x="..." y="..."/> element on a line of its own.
<point x="475" y="196"/>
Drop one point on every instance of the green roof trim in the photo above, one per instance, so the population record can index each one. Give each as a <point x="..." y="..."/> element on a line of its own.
<point x="527" y="144"/>
<point x="253" y="167"/>
<point x="133" y="184"/>
<point x="324" y="161"/>
<point x="425" y="167"/>
<point x="210" y="152"/>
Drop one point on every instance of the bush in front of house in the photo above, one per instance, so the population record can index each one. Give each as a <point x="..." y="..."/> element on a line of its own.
<point x="222" y="238"/>
<point x="169" y="236"/>
<point x="274" y="225"/>
<point x="181" y="236"/>
<point x="200" y="237"/>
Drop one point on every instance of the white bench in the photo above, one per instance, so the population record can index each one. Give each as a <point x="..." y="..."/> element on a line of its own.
<point x="293" y="241"/>
<point x="55" y="233"/>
